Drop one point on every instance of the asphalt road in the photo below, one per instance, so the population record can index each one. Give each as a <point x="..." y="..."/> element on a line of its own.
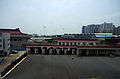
<point x="67" y="67"/>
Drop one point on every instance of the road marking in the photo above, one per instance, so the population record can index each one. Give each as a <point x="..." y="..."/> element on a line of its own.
<point x="13" y="68"/>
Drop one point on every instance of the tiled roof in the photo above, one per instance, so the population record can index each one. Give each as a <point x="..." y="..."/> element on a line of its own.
<point x="13" y="31"/>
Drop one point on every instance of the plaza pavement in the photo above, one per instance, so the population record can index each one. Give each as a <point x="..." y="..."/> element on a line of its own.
<point x="66" y="67"/>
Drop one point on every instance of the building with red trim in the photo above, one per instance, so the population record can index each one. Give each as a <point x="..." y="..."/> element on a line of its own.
<point x="18" y="40"/>
<point x="74" y="46"/>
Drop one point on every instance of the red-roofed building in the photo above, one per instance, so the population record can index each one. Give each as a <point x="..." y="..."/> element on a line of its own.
<point x="74" y="46"/>
<point x="18" y="39"/>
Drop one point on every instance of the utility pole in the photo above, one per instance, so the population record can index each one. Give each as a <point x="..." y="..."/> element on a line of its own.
<point x="44" y="30"/>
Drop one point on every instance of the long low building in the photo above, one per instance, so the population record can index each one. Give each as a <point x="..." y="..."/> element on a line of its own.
<point x="74" y="46"/>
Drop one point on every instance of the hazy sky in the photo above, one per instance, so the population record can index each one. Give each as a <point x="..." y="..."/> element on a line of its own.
<point x="58" y="16"/>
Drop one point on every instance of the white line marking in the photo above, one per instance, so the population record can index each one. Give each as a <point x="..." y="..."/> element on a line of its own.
<point x="13" y="68"/>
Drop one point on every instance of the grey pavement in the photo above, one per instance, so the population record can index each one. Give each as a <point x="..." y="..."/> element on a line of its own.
<point x="67" y="67"/>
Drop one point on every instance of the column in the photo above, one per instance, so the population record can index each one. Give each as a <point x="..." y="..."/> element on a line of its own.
<point x="107" y="52"/>
<point x="97" y="52"/>
<point x="78" y="52"/>
<point x="57" y="51"/>
<point x="72" y="51"/>
<point x="43" y="50"/>
<point x="65" y="50"/>
<point x="50" y="51"/>
<point x="35" y="50"/>
<point x="87" y="52"/>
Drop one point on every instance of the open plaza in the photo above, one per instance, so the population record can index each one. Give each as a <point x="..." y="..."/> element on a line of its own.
<point x="66" y="67"/>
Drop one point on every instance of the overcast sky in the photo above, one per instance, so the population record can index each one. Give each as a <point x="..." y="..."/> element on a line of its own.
<point x="58" y="16"/>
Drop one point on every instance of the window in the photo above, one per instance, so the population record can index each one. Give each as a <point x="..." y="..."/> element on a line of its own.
<point x="59" y="43"/>
<point x="84" y="44"/>
<point x="11" y="39"/>
<point x="15" y="39"/>
<point x="74" y="43"/>
<point x="78" y="43"/>
<point x="90" y="43"/>
<point x="0" y="40"/>
<point x="11" y="45"/>
<point x="67" y="43"/>
<point x="19" y="39"/>
<point x="63" y="43"/>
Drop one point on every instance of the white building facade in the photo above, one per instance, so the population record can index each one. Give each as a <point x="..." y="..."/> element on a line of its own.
<point x="4" y="44"/>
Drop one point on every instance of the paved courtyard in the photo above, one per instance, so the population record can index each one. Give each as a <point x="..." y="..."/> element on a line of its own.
<point x="67" y="67"/>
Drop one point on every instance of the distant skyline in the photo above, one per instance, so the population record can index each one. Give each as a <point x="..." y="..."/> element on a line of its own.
<point x="57" y="16"/>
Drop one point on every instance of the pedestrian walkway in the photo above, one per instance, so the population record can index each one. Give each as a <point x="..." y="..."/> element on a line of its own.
<point x="8" y="59"/>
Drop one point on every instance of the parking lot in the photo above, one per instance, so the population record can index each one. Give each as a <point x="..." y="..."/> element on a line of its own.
<point x="66" y="67"/>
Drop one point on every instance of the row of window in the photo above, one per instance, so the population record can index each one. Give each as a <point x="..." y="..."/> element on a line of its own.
<point x="4" y="39"/>
<point x="16" y="39"/>
<point x="8" y="45"/>
<point x="75" y="43"/>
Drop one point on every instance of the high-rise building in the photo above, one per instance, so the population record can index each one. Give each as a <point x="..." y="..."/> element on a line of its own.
<point x="117" y="30"/>
<point x="99" y="28"/>
<point x="107" y="28"/>
<point x="83" y="29"/>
